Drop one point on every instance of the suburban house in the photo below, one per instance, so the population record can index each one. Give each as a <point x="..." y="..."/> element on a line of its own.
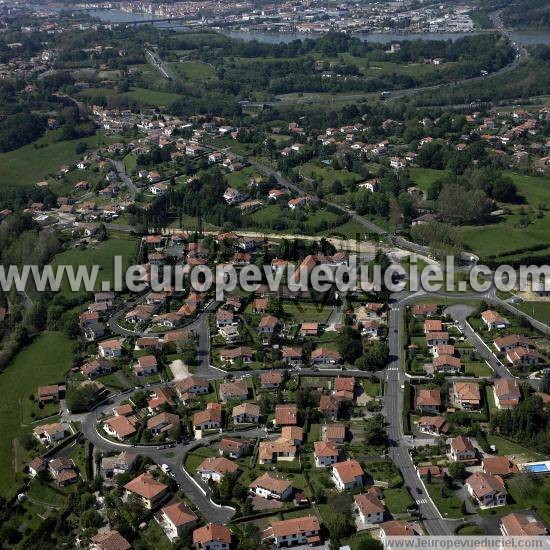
<point x="466" y="395"/>
<point x="210" y="419"/>
<point x="507" y="393"/>
<point x="118" y="464"/>
<point x="270" y="486"/>
<point x="344" y="387"/>
<point x="292" y="355"/>
<point x="268" y="324"/>
<point x="109" y="540"/>
<point x="214" y="468"/>
<point x="243" y="353"/>
<point x="212" y="537"/>
<point x="326" y="453"/>
<point x="437" y="338"/>
<point x="234" y="390"/>
<point x="48" y="394"/>
<point x="97" y="367"/>
<point x="523" y="356"/>
<point x="48" y="434"/>
<point x="246" y="413"/>
<point x="273" y="451"/>
<point x="63" y="471"/>
<point x="309" y="329"/>
<point x="462" y="450"/>
<point x="294" y="434"/>
<point x="395" y="528"/>
<point x="191" y="387"/>
<point x="522" y="524"/>
<point x="498" y="466"/>
<point x="271" y="380"/>
<point x="369" y="508"/>
<point x="36" y="465"/>
<point x="286" y="414"/>
<point x="329" y="406"/>
<point x="435" y="425"/>
<point x="293" y="532"/>
<point x="146" y="365"/>
<point x="333" y="433"/>
<point x="160" y="397"/>
<point x="347" y="475"/>
<point x="175" y="519"/>
<point x="432" y="325"/>
<point x="224" y="318"/>
<point x="507" y="343"/>
<point x="162" y="422"/>
<point x="488" y="490"/>
<point x="123" y="410"/>
<point x="424" y="310"/>
<point x="111" y="348"/>
<point x="233" y="448"/>
<point x="150" y="491"/>
<point x="428" y="400"/>
<point x="325" y="356"/>
<point x="446" y="363"/>
<point x="447" y="349"/>
<point x="493" y="320"/>
<point x="121" y="427"/>
<point x="259" y="305"/>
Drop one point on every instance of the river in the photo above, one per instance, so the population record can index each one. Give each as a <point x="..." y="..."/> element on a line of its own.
<point x="528" y="38"/>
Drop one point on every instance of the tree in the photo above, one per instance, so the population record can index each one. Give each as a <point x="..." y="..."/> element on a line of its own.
<point x="376" y="356"/>
<point x="457" y="470"/>
<point x="79" y="399"/>
<point x="90" y="518"/>
<point x="375" y="431"/>
<point x="545" y="384"/>
<point x="350" y="345"/>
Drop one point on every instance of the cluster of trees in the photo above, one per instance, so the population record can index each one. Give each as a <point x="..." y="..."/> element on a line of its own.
<point x="527" y="14"/>
<point x="20" y="129"/>
<point x="527" y="80"/>
<point x="527" y="424"/>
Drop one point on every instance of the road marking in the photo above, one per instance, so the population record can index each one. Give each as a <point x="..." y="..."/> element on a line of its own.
<point x="422" y="501"/>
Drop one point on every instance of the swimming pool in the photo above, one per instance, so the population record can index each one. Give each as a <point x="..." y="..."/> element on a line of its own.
<point x="536" y="468"/>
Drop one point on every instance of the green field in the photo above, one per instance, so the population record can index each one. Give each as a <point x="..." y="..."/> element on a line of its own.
<point x="100" y="254"/>
<point x="194" y="70"/>
<point x="488" y="240"/>
<point x="538" y="310"/>
<point x="32" y="163"/>
<point x="43" y="362"/>
<point x="424" y="177"/>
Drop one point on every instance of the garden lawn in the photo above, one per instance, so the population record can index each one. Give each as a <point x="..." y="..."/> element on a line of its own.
<point x="45" y="361"/>
<point x="506" y="447"/>
<point x="194" y="459"/>
<point x="397" y="500"/>
<point x="101" y="254"/>
<point x="307" y="312"/>
<point x="449" y="505"/>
